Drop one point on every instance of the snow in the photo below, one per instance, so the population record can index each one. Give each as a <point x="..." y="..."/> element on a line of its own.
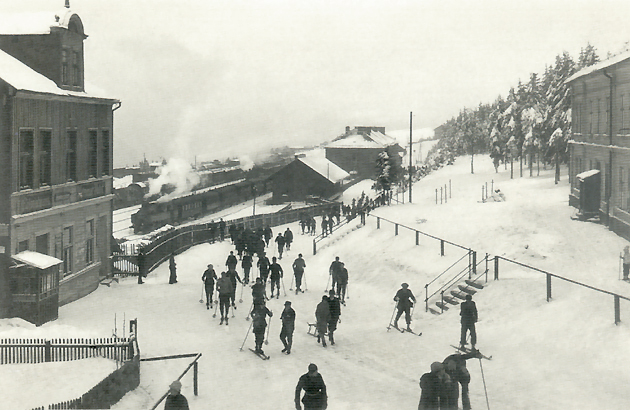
<point x="562" y="354"/>
<point x="124" y="182"/>
<point x="586" y="174"/>
<point x="598" y="66"/>
<point x="324" y="167"/>
<point x="36" y="259"/>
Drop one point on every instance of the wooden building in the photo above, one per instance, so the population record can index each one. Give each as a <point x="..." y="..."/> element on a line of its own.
<point x="56" y="151"/>
<point x="307" y="177"/>
<point x="356" y="151"/>
<point x="600" y="137"/>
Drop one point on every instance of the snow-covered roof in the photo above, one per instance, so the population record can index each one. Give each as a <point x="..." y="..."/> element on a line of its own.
<point x="35" y="22"/>
<point x="124" y="182"/>
<point x="375" y="139"/>
<point x="36" y="259"/>
<point x="599" y="66"/>
<point x="23" y="78"/>
<point x="325" y="168"/>
<point x="587" y="174"/>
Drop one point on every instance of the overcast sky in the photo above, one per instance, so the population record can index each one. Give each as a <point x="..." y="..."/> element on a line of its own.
<point x="218" y="78"/>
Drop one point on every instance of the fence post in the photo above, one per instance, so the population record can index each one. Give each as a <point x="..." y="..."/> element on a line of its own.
<point x="617" y="310"/>
<point x="441" y="199"/>
<point x="496" y="268"/>
<point x="548" y="287"/>
<point x="396" y="229"/>
<point x="445" y="196"/>
<point x="314" y="248"/>
<point x="47" y="351"/>
<point x="441" y="247"/>
<point x="426" y="298"/>
<point x="436" y="196"/>
<point x="417" y="238"/>
<point x="474" y="262"/>
<point x="486" y="258"/>
<point x="195" y="378"/>
<point x="378" y="222"/>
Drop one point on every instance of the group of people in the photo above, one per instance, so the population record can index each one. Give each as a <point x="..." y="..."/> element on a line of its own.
<point x="327" y="316"/>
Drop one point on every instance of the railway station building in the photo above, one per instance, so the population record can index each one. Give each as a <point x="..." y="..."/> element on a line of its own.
<point x="56" y="149"/>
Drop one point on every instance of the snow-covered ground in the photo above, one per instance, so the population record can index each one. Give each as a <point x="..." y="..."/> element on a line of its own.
<point x="565" y="354"/>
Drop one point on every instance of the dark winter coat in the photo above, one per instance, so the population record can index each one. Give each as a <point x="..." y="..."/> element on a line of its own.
<point x="405" y="298"/>
<point x="288" y="236"/>
<point x="431" y="386"/>
<point x="263" y="264"/>
<point x="299" y="265"/>
<point x="231" y="261"/>
<point x="209" y="276"/>
<point x="176" y="402"/>
<point x="322" y="313"/>
<point x="233" y="275"/>
<point x="343" y="277"/>
<point x="335" y="268"/>
<point x="468" y="312"/>
<point x="461" y="373"/>
<point x="280" y="241"/>
<point x="258" y="291"/>
<point x="335" y="309"/>
<point x="276" y="271"/>
<point x="247" y="261"/>
<point x="288" y="319"/>
<point x="315" y="396"/>
<point x="259" y="318"/>
<point x="224" y="286"/>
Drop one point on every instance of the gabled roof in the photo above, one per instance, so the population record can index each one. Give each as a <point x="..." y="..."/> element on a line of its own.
<point x="375" y="139"/>
<point x="599" y="66"/>
<point x="23" y="78"/>
<point x="325" y="168"/>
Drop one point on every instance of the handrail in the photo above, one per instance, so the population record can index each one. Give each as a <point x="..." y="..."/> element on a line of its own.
<point x="179" y="378"/>
<point x="448" y="284"/>
<point x="321" y="236"/>
<point x="447" y="269"/>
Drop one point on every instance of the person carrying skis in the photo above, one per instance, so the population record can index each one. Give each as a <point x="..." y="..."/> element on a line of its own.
<point x="259" y="324"/>
<point x="298" y="272"/>
<point x="247" y="266"/>
<point x="280" y="241"/>
<point x="404" y="297"/>
<point x="263" y="265"/>
<point x="322" y="315"/>
<point x="175" y="399"/>
<point x="258" y="292"/>
<point x="208" y="278"/>
<point x="342" y="283"/>
<point x="315" y="397"/>
<point x="288" y="238"/>
<point x="225" y="290"/>
<point x="468" y="313"/>
<point x="335" y="311"/>
<point x="231" y="261"/>
<point x="173" y="270"/>
<point x="233" y="275"/>
<point x="455" y="367"/>
<point x="335" y="268"/>
<point x="288" y="326"/>
<point x="276" y="273"/>
<point x="432" y="387"/>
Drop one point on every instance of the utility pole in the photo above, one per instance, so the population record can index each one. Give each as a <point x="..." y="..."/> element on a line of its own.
<point x="410" y="151"/>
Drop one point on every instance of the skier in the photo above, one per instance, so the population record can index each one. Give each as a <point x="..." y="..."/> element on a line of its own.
<point x="335" y="268"/>
<point x="225" y="290"/>
<point x="404" y="297"/>
<point x="322" y="314"/>
<point x="288" y="326"/>
<point x="342" y="283"/>
<point x="335" y="311"/>
<point x="231" y="261"/>
<point x="233" y="275"/>
<point x="258" y="292"/>
<point x="331" y="224"/>
<point x="324" y="226"/>
<point x="263" y="265"/>
<point x="313" y="226"/>
<point x="432" y="387"/>
<point x="175" y="399"/>
<point x="288" y="238"/>
<point x="141" y="266"/>
<point x="315" y="397"/>
<point x="626" y="262"/>
<point x="280" y="241"/>
<point x="247" y="266"/>
<point x="276" y="274"/>
<point x="455" y="367"/>
<point x="303" y="224"/>
<point x="468" y="313"/>
<point x="208" y="278"/>
<point x="298" y="271"/>
<point x="259" y="324"/>
<point x="221" y="229"/>
<point x="173" y="270"/>
<point x="267" y="234"/>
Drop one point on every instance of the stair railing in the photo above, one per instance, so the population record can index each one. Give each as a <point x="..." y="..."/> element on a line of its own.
<point x="426" y="287"/>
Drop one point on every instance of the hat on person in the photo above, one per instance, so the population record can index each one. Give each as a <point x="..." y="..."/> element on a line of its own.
<point x="287" y="303"/>
<point x="436" y="367"/>
<point x="210" y="265"/>
<point x="331" y="293"/>
<point x="468" y="297"/>
<point x="312" y="367"/>
<point x="176" y="385"/>
<point x="405" y="285"/>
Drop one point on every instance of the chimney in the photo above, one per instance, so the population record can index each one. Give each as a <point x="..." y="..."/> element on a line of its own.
<point x="67" y="4"/>
<point x="347" y="129"/>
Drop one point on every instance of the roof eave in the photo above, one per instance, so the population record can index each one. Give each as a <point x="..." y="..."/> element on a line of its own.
<point x="65" y="97"/>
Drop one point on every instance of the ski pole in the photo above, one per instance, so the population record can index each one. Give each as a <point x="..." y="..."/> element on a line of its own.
<point x="250" y="311"/>
<point x="283" y="288"/>
<point x="291" y="287"/>
<point x="329" y="276"/>
<point x="392" y="318"/>
<point x="347" y="291"/>
<point x="267" y="337"/>
<point x="215" y="309"/>
<point x="620" y="258"/>
<point x="484" y="384"/>
<point x="201" y="297"/>
<point x="305" y="284"/>
<point x="240" y="300"/>
<point x="250" y="328"/>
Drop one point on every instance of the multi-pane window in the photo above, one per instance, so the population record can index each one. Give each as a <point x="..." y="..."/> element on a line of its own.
<point x="71" y="156"/>
<point x="76" y="69"/>
<point x="45" y="156"/>
<point x="66" y="245"/>
<point x="64" y="67"/>
<point x="92" y="153"/>
<point x="599" y="115"/>
<point x="27" y="146"/>
<point x="622" y="118"/>
<point x="105" y="170"/>
<point x="41" y="244"/>
<point x="605" y="119"/>
<point x="89" y="245"/>
<point x="590" y="120"/>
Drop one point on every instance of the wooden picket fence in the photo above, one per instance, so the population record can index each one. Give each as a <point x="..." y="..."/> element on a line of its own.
<point x="70" y="404"/>
<point x="59" y="350"/>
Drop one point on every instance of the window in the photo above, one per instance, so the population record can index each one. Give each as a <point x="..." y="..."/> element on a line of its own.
<point x="105" y="152"/>
<point x="622" y="185"/>
<point x="590" y="120"/>
<point x="599" y="112"/>
<point x="605" y="129"/>
<point x="89" y="245"/>
<point x="623" y="126"/>
<point x="45" y="156"/>
<point x="71" y="156"/>
<point x="26" y="159"/>
<point x="66" y="244"/>
<point x="22" y="246"/>
<point x="93" y="153"/>
<point x="41" y="244"/>
<point x="64" y="67"/>
<point x="76" y="69"/>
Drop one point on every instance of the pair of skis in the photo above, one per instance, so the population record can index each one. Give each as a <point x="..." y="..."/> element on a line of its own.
<point x="261" y="355"/>
<point x="467" y="350"/>
<point x="403" y="330"/>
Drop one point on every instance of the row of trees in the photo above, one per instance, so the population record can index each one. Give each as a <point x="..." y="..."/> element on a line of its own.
<point x="535" y="118"/>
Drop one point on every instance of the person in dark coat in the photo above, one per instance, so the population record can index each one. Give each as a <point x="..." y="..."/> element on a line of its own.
<point x="298" y="272"/>
<point x="208" y="278"/>
<point x="233" y="275"/>
<point x="280" y="242"/>
<point x="405" y="299"/>
<point x="173" y="270"/>
<point x="225" y="290"/>
<point x="432" y="385"/>
<point x="267" y="234"/>
<point x="222" y="229"/>
<point x="342" y="283"/>
<point x="175" y="399"/>
<point x="335" y="311"/>
<point x="288" y="238"/>
<point x="335" y="268"/>
<point x="247" y="266"/>
<point x="324" y="226"/>
<point x="141" y="266"/>
<point x="455" y="367"/>
<point x="259" y="324"/>
<point x="322" y="314"/>
<point x="468" y="313"/>
<point x="258" y="292"/>
<point x="288" y="326"/>
<point x="315" y="397"/>
<point x="276" y="274"/>
<point x="263" y="265"/>
<point x="231" y="261"/>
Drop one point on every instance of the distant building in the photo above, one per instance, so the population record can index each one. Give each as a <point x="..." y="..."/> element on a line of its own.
<point x="356" y="151"/>
<point x="307" y="177"/>
<point x="600" y="137"/>
<point x="440" y="131"/>
<point x="56" y="151"/>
